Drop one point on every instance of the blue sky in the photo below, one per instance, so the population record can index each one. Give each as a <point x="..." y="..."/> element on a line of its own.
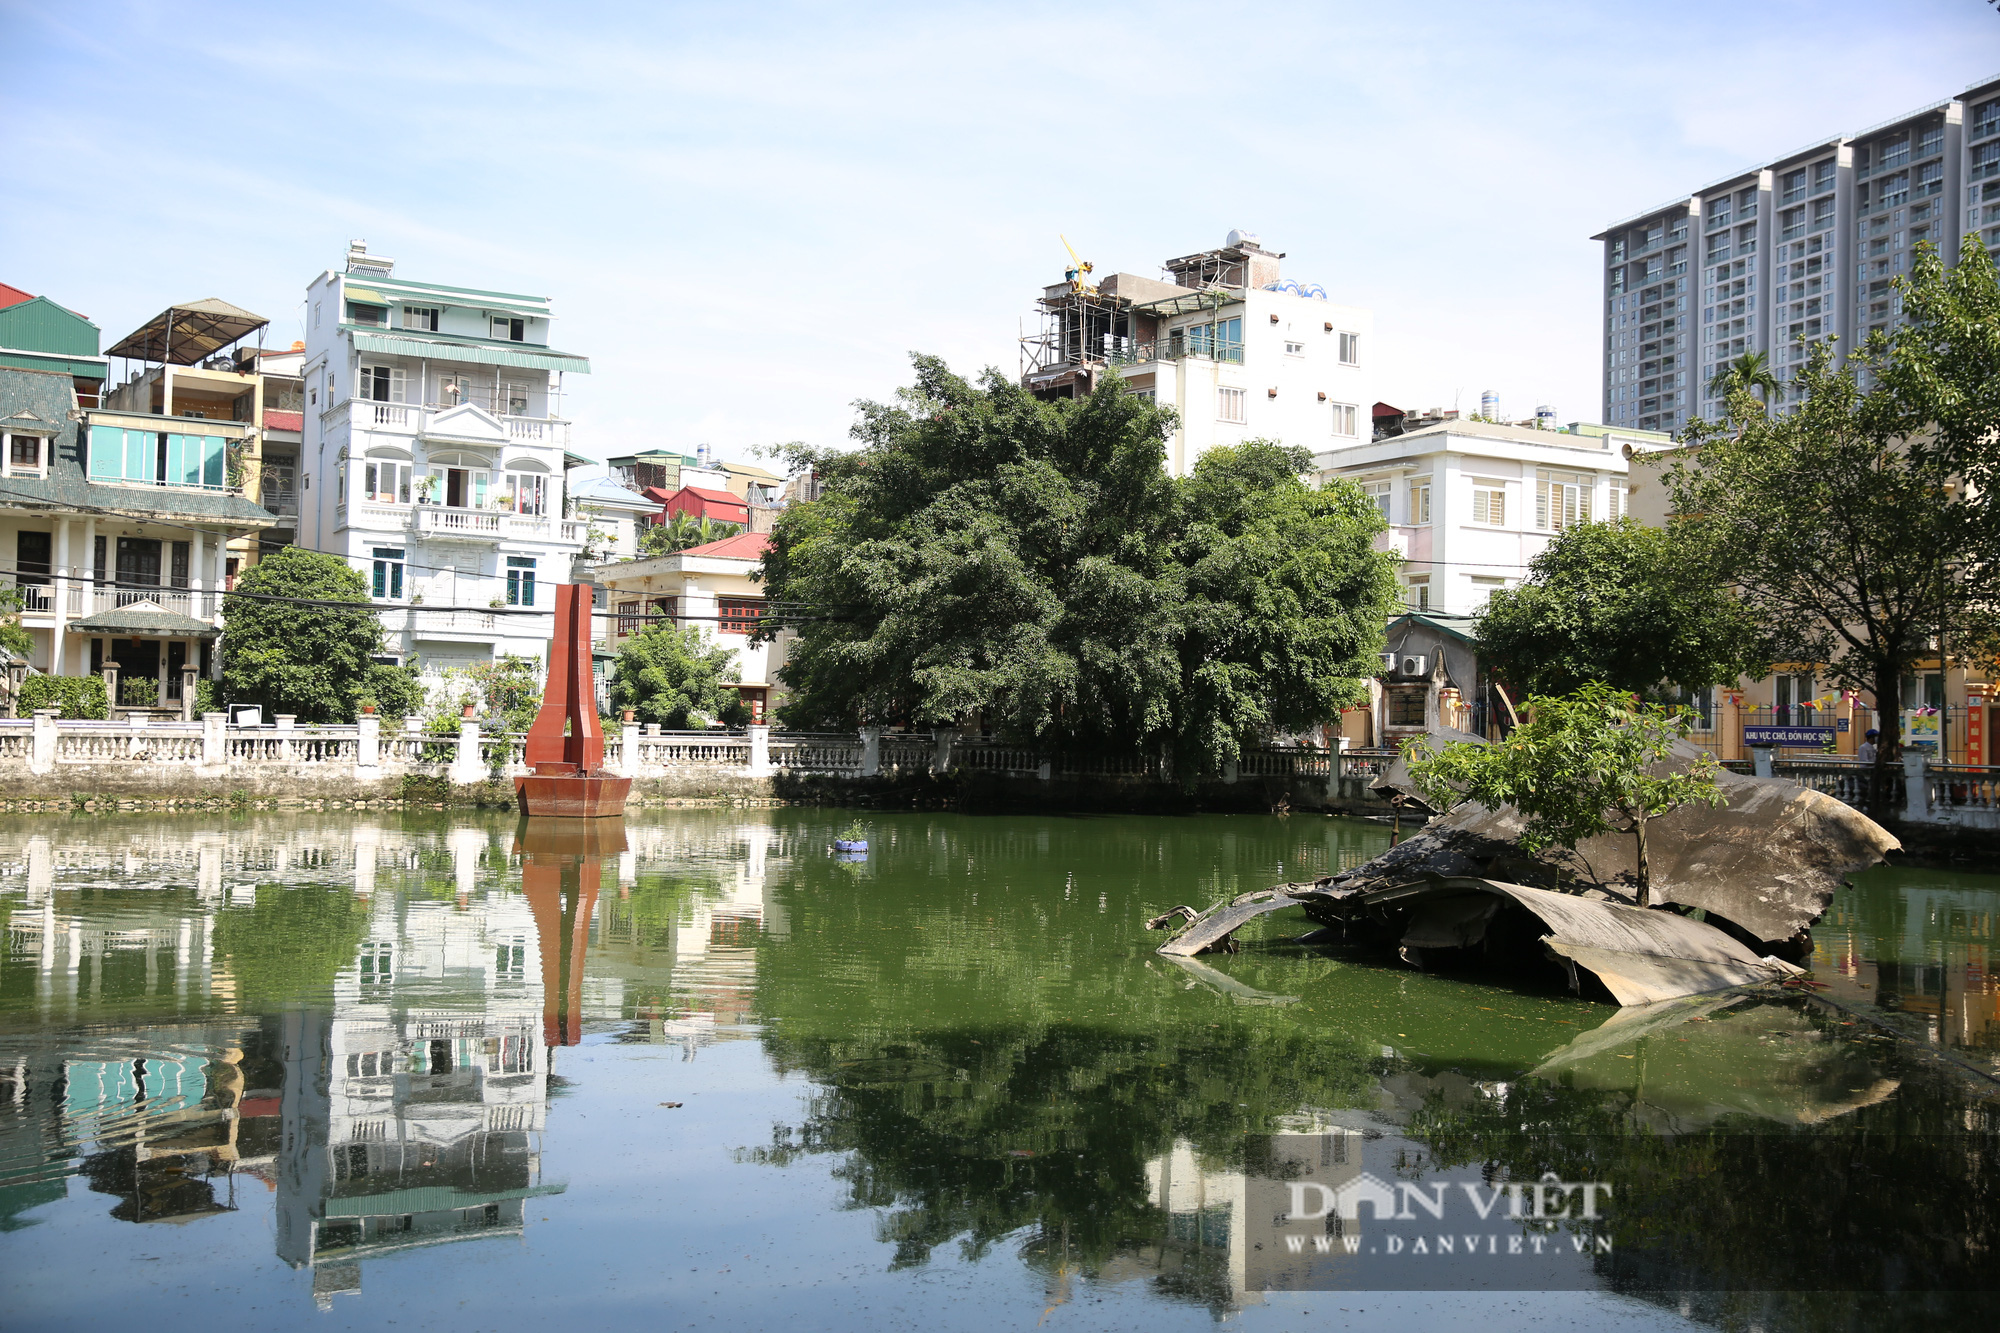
<point x="750" y="215"/>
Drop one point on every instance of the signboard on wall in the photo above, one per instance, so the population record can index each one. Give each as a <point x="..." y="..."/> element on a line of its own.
<point x="1792" y="737"/>
<point x="1922" y="728"/>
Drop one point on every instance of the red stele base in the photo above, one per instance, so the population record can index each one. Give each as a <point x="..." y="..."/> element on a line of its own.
<point x="558" y="789"/>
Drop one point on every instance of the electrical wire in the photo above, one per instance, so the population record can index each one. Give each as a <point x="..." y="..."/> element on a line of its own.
<point x="376" y="608"/>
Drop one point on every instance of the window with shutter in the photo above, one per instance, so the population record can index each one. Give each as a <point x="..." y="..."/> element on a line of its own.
<point x="1489" y="506"/>
<point x="1562" y="500"/>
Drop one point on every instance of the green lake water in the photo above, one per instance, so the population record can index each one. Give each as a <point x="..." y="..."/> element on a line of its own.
<point x="696" y="1071"/>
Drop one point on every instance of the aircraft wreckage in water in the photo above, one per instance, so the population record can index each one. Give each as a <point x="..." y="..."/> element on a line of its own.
<point x="1734" y="893"/>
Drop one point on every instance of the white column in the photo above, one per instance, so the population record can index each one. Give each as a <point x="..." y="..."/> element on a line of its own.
<point x="760" y="751"/>
<point x="368" y="747"/>
<point x="60" y="610"/>
<point x="42" y="751"/>
<point x="86" y="558"/>
<point x="871" y="752"/>
<point x="628" y="750"/>
<point x="195" y="580"/>
<point x="466" y="768"/>
<point x="1916" y="786"/>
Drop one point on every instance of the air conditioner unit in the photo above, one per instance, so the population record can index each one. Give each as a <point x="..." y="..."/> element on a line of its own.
<point x="1414" y="664"/>
<point x="1388" y="661"/>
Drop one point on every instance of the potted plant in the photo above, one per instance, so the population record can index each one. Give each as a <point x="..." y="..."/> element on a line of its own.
<point x="629" y="716"/>
<point x="852" y="840"/>
<point x="469" y="711"/>
<point x="367" y="707"/>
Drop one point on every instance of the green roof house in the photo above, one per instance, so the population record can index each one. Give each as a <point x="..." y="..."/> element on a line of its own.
<point x="38" y="334"/>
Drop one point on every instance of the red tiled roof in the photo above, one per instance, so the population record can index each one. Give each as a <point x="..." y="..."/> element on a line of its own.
<point x="13" y="296"/>
<point x="276" y="420"/>
<point x="713" y="497"/>
<point x="743" y="546"/>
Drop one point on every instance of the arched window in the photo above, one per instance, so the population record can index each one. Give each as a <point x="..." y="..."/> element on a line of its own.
<point x="525" y="486"/>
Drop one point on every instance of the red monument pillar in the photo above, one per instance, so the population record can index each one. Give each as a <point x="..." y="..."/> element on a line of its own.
<point x="566" y="745"/>
<point x="562" y="864"/>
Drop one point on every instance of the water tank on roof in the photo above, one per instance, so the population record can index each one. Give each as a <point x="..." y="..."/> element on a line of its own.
<point x="1545" y="417"/>
<point x="1489" y="404"/>
<point x="1239" y="237"/>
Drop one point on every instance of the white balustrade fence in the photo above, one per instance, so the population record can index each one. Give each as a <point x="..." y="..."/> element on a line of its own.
<point x="373" y="747"/>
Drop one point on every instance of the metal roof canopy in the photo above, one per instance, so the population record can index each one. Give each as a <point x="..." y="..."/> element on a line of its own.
<point x="185" y="334"/>
<point x="1212" y="298"/>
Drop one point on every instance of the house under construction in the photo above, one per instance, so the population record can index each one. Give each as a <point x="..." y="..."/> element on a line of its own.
<point x="1119" y="321"/>
<point x="1236" y="350"/>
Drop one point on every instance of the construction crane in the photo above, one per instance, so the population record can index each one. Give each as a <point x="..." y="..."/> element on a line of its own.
<point x="1077" y="268"/>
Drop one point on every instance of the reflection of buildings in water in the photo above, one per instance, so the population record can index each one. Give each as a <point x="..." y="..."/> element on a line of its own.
<point x="692" y="980"/>
<point x="1938" y="969"/>
<point x="158" y="1118"/>
<point x="435" y="1063"/>
<point x="413" y="1107"/>
<point x="1222" y="1242"/>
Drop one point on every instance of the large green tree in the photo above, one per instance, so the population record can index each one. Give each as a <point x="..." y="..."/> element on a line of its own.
<point x="677" y="678"/>
<point x="303" y="656"/>
<point x="1633" y="606"/>
<point x="1848" y="525"/>
<point x="1033" y="561"/>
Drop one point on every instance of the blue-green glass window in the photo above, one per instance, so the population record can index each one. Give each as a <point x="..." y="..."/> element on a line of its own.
<point x="183" y="460"/>
<point x="388" y="580"/>
<point x="195" y="460"/>
<point x="520" y="580"/>
<point x="107" y="452"/>
<point x="142" y="461"/>
<point x="1201" y="340"/>
<point x="1229" y="340"/>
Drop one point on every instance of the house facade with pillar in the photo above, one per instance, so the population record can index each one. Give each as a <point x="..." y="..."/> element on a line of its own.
<point x="123" y="564"/>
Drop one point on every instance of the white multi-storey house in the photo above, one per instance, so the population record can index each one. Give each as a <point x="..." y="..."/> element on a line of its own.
<point x="434" y="456"/>
<point x="1469" y="504"/>
<point x="1237" y="351"/>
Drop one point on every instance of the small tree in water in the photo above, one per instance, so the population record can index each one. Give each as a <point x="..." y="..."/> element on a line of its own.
<point x="1577" y="768"/>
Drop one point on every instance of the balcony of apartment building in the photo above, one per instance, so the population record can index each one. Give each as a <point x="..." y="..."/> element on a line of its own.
<point x="432" y="401"/>
<point x="453" y="497"/>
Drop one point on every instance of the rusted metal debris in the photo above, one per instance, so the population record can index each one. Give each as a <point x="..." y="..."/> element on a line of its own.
<point x="1739" y="888"/>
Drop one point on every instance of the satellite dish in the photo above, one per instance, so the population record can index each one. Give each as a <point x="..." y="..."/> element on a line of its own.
<point x="1240" y="237"/>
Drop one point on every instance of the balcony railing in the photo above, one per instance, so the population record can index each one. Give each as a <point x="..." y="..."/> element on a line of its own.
<point x="416" y="419"/>
<point x="494" y="524"/>
<point x="1176" y="349"/>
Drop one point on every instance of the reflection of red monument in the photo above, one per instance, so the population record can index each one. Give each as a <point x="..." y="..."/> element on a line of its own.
<point x="562" y="860"/>
<point x="566" y="744"/>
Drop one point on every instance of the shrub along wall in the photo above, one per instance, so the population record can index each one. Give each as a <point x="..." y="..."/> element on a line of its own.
<point x="77" y="696"/>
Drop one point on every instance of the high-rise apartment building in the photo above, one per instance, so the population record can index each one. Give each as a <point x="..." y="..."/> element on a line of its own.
<point x="1781" y="256"/>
